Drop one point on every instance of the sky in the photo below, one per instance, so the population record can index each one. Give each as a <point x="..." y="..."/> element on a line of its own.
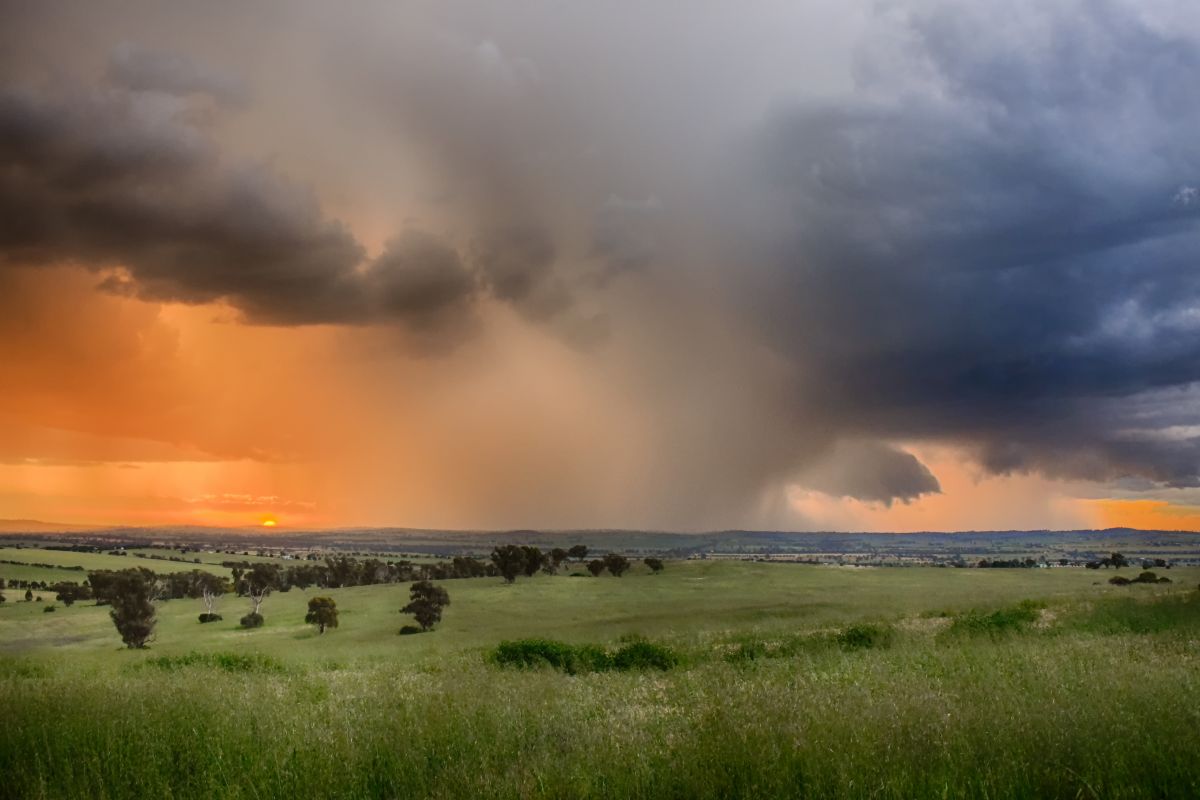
<point x="853" y="265"/>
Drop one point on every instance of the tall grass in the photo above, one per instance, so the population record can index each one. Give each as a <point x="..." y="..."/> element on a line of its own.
<point x="1072" y="715"/>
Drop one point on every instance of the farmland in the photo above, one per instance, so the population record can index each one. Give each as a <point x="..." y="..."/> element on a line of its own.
<point x="1093" y="693"/>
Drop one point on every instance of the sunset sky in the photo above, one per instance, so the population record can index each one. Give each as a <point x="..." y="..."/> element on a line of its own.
<point x="674" y="265"/>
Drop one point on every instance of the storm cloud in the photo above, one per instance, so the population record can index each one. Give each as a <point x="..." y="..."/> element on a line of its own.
<point x="802" y="243"/>
<point x="987" y="240"/>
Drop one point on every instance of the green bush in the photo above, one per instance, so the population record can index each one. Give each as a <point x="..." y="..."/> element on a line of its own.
<point x="644" y="655"/>
<point x="50" y="608"/>
<point x="210" y="618"/>
<point x="997" y="623"/>
<point x="864" y="637"/>
<point x="574" y="659"/>
<point x="252" y="620"/>
<point x="229" y="662"/>
<point x="536" y="653"/>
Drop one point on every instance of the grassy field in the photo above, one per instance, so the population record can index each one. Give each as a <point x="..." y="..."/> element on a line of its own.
<point x="1095" y="694"/>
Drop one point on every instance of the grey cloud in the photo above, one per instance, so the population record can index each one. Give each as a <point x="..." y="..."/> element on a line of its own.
<point x="123" y="181"/>
<point x="517" y="262"/>
<point x="422" y="279"/>
<point x="623" y="234"/>
<point x="870" y="471"/>
<point x="141" y="69"/>
<point x="981" y="243"/>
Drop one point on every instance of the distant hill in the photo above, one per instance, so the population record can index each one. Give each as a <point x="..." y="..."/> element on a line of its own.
<point x="877" y="547"/>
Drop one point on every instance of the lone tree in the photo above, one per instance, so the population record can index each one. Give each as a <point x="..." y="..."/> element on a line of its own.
<point x="596" y="566"/>
<point x="616" y="564"/>
<point x="132" y="594"/>
<point x="210" y="587"/>
<point x="578" y="552"/>
<point x="427" y="602"/>
<point x="509" y="560"/>
<point x="258" y="583"/>
<point x="655" y="564"/>
<point x="322" y="612"/>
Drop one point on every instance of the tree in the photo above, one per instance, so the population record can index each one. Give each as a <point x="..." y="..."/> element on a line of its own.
<point x="427" y="602"/>
<point x="655" y="564"/>
<point x="578" y="552"/>
<point x="209" y="587"/>
<point x="28" y="595"/>
<point x="322" y="612"/>
<point x="509" y="560"/>
<point x="596" y="566"/>
<point x="555" y="559"/>
<point x="533" y="560"/>
<point x="68" y="593"/>
<point x="616" y="564"/>
<point x="132" y="594"/>
<point x="259" y="582"/>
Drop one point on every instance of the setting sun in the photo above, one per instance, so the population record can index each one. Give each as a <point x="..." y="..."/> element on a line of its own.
<point x="268" y="523"/>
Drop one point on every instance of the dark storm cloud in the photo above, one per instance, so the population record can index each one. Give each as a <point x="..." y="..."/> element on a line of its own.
<point x="118" y="179"/>
<point x="872" y="472"/>
<point x="991" y="240"/>
<point x="420" y="278"/>
<point x="517" y="263"/>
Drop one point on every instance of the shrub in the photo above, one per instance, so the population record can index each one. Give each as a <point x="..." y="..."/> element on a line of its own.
<point x="409" y="630"/>
<point x="252" y="620"/>
<point x="1005" y="620"/>
<point x="864" y="637"/>
<point x="206" y="617"/>
<point x="644" y="655"/>
<point x="535" y="653"/>
<point x="49" y="608"/>
<point x="574" y="659"/>
<point x="229" y="662"/>
<point x="1117" y="580"/>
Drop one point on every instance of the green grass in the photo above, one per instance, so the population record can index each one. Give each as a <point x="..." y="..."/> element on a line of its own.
<point x="89" y="561"/>
<point x="790" y="681"/>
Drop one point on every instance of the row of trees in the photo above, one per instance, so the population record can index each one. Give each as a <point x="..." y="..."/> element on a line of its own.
<point x="511" y="561"/>
<point x="132" y="592"/>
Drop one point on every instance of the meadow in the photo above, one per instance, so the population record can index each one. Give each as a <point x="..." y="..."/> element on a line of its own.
<point x="793" y="681"/>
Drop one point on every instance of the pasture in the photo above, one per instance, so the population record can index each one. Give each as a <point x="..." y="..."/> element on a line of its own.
<point x="1096" y="695"/>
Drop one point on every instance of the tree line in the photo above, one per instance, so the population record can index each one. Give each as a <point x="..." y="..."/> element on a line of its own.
<point x="132" y="592"/>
